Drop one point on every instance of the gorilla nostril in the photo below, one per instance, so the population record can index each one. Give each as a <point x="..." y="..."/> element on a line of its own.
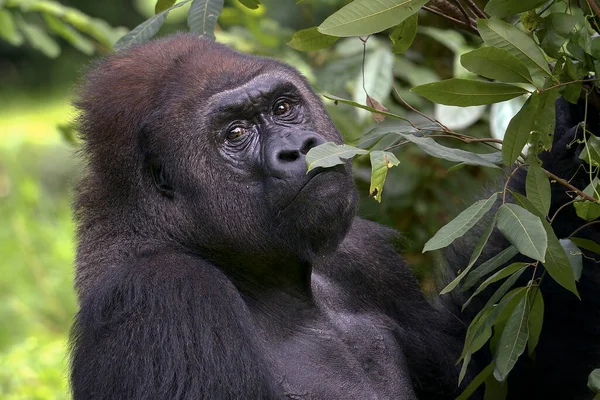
<point x="309" y="144"/>
<point x="288" y="155"/>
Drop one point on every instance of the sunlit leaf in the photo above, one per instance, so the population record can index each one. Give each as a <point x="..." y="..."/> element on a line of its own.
<point x="251" y="4"/>
<point x="203" y="15"/>
<point x="513" y="340"/>
<point x="523" y="230"/>
<point x="381" y="161"/>
<point x="162" y="5"/>
<point x="8" y="28"/>
<point x="537" y="187"/>
<point x="38" y="38"/>
<point x="365" y="17"/>
<point x="495" y="63"/>
<point x="311" y="39"/>
<point x="467" y="92"/>
<point x="460" y="225"/>
<point x="76" y="39"/>
<point x="330" y="154"/>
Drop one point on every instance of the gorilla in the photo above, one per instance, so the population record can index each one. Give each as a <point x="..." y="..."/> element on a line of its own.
<point x="210" y="265"/>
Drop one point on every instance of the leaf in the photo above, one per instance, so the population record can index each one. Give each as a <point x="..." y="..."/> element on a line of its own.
<point x="587" y="244"/>
<point x="203" y="15"/>
<point x="252" y="4"/>
<point x="476" y="382"/>
<point x="38" y="38"/>
<point x="311" y="39"/>
<point x="587" y="210"/>
<point x="502" y="113"/>
<point x="503" y="273"/>
<point x="495" y="63"/>
<point x="460" y="225"/>
<point x="594" y="381"/>
<point x="435" y="149"/>
<point x="476" y="253"/>
<point x="378" y="76"/>
<point x="358" y="105"/>
<point x="537" y="187"/>
<point x="381" y="161"/>
<point x="467" y="92"/>
<point x="330" y="154"/>
<point x="518" y="130"/>
<point x="544" y="122"/>
<point x="77" y="40"/>
<point x="513" y="340"/>
<point x="574" y="255"/>
<point x="147" y="29"/>
<point x="162" y="5"/>
<point x="365" y="17"/>
<point x="505" y="8"/>
<point x="489" y="266"/>
<point x="403" y="34"/>
<point x="458" y="117"/>
<point x="523" y="230"/>
<point x="536" y="319"/>
<point x="497" y="33"/>
<point x="371" y="102"/>
<point x="8" y="29"/>
<point x="591" y="152"/>
<point x="557" y="263"/>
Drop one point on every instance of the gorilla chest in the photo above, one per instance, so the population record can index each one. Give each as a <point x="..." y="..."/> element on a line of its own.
<point x="340" y="356"/>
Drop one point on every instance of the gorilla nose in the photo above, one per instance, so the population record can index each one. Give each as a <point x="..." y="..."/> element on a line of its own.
<point x="289" y="155"/>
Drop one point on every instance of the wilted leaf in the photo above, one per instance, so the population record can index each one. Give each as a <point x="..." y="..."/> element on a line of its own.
<point x="467" y="92"/>
<point x="381" y="161"/>
<point x="311" y="39"/>
<point x="495" y="63"/>
<point x="365" y="17"/>
<point x="371" y="102"/>
<point x="523" y="230"/>
<point x="330" y="154"/>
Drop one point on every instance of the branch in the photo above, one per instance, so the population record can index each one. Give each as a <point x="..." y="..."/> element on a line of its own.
<point x="568" y="185"/>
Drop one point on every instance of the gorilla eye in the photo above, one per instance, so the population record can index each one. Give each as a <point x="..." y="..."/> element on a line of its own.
<point x="282" y="107"/>
<point x="236" y="132"/>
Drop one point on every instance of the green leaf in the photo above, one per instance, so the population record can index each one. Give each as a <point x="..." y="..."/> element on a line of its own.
<point x="536" y="319"/>
<point x="591" y="152"/>
<point x="587" y="244"/>
<point x="489" y="266"/>
<point x="483" y="239"/>
<point x="518" y="130"/>
<point x="476" y="382"/>
<point x="505" y="8"/>
<point x="162" y="5"/>
<point x="364" y="107"/>
<point x="460" y="225"/>
<point x="381" y="161"/>
<point x="8" y="29"/>
<point x="545" y="121"/>
<point x="557" y="263"/>
<point x="523" y="230"/>
<point x="77" y="40"/>
<point x="311" y="39"/>
<point x="574" y="255"/>
<point x="365" y="17"/>
<point x="403" y="34"/>
<point x="497" y="33"/>
<point x="147" y="29"/>
<point x="594" y="381"/>
<point x="587" y="210"/>
<point x="537" y="187"/>
<point x="435" y="149"/>
<point x="330" y="154"/>
<point x="466" y="92"/>
<point x="203" y="15"/>
<point x="378" y="76"/>
<point x="513" y="340"/>
<point x="38" y="38"/>
<point x="495" y="63"/>
<point x="252" y="4"/>
<point x="503" y="273"/>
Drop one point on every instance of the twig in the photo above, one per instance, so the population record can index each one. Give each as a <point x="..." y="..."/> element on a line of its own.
<point x="583" y="227"/>
<point x="594" y="6"/>
<point x="573" y="188"/>
<point x="465" y="13"/>
<point x="476" y="9"/>
<point x="561" y="207"/>
<point x="457" y="21"/>
<point x="514" y="171"/>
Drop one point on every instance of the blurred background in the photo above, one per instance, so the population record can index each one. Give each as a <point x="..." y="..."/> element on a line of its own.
<point x="39" y="164"/>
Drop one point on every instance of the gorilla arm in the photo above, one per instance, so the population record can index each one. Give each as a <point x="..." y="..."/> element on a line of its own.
<point x="166" y="326"/>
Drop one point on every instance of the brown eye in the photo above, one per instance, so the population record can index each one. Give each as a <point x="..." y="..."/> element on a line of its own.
<point x="236" y="133"/>
<point x="282" y="107"/>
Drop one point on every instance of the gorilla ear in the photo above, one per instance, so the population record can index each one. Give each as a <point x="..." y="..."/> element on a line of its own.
<point x="160" y="179"/>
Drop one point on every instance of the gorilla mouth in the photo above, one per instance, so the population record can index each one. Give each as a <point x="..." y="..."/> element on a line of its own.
<point x="312" y="177"/>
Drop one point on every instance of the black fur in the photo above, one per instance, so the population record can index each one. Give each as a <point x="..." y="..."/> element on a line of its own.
<point x="211" y="266"/>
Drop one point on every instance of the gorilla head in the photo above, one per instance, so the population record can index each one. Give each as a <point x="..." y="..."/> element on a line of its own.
<point x="196" y="145"/>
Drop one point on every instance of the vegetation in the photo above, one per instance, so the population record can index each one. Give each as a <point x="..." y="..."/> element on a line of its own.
<point x="490" y="77"/>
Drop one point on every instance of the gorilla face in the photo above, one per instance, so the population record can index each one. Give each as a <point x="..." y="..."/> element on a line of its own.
<point x="210" y="145"/>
